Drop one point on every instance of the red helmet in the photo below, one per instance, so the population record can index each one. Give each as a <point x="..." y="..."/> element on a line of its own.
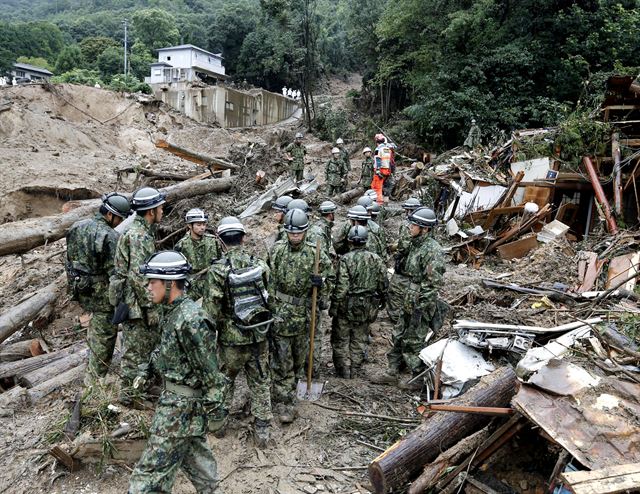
<point x="380" y="138"/>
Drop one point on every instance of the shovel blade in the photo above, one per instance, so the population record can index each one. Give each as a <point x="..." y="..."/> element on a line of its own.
<point x="313" y="393"/>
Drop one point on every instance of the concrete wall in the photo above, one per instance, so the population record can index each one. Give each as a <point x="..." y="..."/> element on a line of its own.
<point x="228" y="107"/>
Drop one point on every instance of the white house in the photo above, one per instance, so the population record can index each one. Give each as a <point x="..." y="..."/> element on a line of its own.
<point x="186" y="63"/>
<point x="31" y="72"/>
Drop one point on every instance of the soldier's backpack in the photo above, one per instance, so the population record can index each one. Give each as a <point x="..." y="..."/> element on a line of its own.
<point x="248" y="298"/>
<point x="81" y="264"/>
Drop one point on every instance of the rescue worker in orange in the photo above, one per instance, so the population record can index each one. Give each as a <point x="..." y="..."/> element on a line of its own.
<point x="384" y="164"/>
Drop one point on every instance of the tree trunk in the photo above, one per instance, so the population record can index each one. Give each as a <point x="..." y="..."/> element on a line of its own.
<point x="53" y="369"/>
<point x="21" y="236"/>
<point x="22" y="367"/>
<point x="20" y="350"/>
<point x="20" y="315"/>
<point x="41" y="390"/>
<point x="349" y="195"/>
<point x="402" y="461"/>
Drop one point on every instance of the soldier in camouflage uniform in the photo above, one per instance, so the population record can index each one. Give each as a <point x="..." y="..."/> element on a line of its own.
<point x="424" y="266"/>
<point x="346" y="162"/>
<point x="357" y="215"/>
<point x="361" y="283"/>
<point x="366" y="175"/>
<point x="91" y="247"/>
<point x="295" y="154"/>
<point x="474" y="138"/>
<point x="334" y="173"/>
<point x="374" y="228"/>
<point x="322" y="228"/>
<point x="399" y="282"/>
<point x="292" y="278"/>
<point x="280" y="209"/>
<point x="200" y="248"/>
<point x="128" y="290"/>
<point x="193" y="385"/>
<point x="236" y="286"/>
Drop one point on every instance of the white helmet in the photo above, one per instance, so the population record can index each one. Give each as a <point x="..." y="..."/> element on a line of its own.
<point x="366" y="150"/>
<point x="299" y="135"/>
<point x="335" y="151"/>
<point x="339" y="140"/>
<point x="196" y="215"/>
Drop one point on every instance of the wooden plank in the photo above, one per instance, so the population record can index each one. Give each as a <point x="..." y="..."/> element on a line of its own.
<point x="609" y="480"/>
<point x="517" y="249"/>
<point x="588" y="270"/>
<point x="630" y="142"/>
<point x="622" y="267"/>
<point x="621" y="107"/>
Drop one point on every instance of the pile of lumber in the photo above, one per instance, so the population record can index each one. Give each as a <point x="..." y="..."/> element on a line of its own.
<point x="30" y="374"/>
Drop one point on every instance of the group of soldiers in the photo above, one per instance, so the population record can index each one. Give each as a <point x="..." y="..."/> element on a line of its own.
<point x="195" y="317"/>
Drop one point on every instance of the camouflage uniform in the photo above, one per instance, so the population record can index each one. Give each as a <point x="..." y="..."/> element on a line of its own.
<point x="361" y="283"/>
<point x="322" y="229"/>
<point x="424" y="266"/>
<point x="381" y="239"/>
<point x="367" y="172"/>
<point x="91" y="247"/>
<point x="199" y="253"/>
<point x="399" y="283"/>
<point x="290" y="291"/>
<point x="474" y="138"/>
<point x="140" y="332"/>
<point x="239" y="349"/>
<point x="346" y="162"/>
<point x="429" y="191"/>
<point x="193" y="385"/>
<point x="374" y="244"/>
<point x="281" y="234"/>
<point x="298" y="152"/>
<point x="334" y="173"/>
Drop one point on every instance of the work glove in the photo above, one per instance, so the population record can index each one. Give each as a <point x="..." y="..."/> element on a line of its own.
<point x="120" y="314"/>
<point x="316" y="280"/>
<point x="416" y="316"/>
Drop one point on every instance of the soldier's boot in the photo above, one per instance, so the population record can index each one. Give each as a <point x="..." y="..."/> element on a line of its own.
<point x="218" y="424"/>
<point x="356" y="372"/>
<point x="286" y="413"/>
<point x="342" y="372"/>
<point x="261" y="432"/>
<point x="390" y="376"/>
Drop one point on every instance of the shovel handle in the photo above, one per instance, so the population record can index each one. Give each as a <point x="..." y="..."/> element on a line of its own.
<point x="314" y="309"/>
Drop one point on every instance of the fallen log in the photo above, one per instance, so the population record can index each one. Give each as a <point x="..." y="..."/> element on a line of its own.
<point x="194" y="157"/>
<point x="155" y="175"/>
<point x="403" y="460"/>
<point x="349" y="195"/>
<point x="34" y="378"/>
<point x="22" y="367"/>
<point x="447" y="459"/>
<point x="20" y="315"/>
<point x="21" y="236"/>
<point x="21" y="350"/>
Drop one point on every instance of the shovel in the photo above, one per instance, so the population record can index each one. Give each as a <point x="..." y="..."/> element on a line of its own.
<point x="307" y="390"/>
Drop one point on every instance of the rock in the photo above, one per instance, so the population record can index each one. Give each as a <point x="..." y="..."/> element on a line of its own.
<point x="310" y="489"/>
<point x="305" y="477"/>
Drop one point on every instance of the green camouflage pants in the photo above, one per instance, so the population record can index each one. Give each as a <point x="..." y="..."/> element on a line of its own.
<point x="349" y="341"/>
<point x="234" y="359"/>
<point x="333" y="190"/>
<point x="288" y="355"/>
<point x="139" y="341"/>
<point x="101" y="338"/>
<point x="297" y="174"/>
<point x="395" y="297"/>
<point x="156" y="470"/>
<point x="408" y="340"/>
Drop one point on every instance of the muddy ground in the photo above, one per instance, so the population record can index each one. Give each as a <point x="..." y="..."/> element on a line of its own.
<point x="67" y="142"/>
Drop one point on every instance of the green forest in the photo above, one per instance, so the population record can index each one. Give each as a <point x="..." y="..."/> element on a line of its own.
<point x="430" y="64"/>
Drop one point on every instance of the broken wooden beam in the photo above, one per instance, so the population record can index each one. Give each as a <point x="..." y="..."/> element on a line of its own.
<point x="608" y="480"/>
<point x="448" y="459"/>
<point x="20" y="315"/>
<point x="21" y="236"/>
<point x="491" y="411"/>
<point x="600" y="195"/>
<point x="617" y="173"/>
<point x="52" y="369"/>
<point x="518" y="229"/>
<point x="176" y="177"/>
<point x="194" y="157"/>
<point x="403" y="460"/>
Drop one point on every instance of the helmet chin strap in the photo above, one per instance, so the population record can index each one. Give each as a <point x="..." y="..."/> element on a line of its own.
<point x="167" y="291"/>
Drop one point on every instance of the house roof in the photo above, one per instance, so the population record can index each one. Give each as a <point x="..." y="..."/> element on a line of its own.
<point x="182" y="47"/>
<point x="163" y="64"/>
<point x="32" y="68"/>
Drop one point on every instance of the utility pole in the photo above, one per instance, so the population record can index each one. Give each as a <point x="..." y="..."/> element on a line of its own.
<point x="125" y="47"/>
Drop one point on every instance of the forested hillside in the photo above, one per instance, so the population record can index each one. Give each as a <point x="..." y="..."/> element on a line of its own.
<point x="439" y="63"/>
